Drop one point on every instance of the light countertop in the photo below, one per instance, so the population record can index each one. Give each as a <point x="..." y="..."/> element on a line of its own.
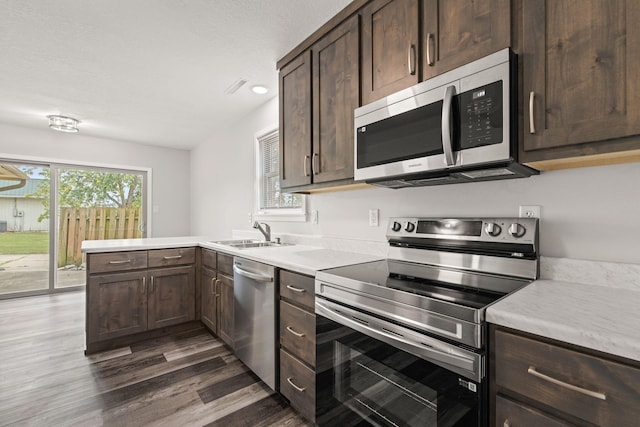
<point x="601" y="318"/>
<point x="300" y="258"/>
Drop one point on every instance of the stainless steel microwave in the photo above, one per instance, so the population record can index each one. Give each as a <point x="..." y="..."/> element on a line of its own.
<point x="459" y="126"/>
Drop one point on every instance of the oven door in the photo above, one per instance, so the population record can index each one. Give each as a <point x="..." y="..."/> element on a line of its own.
<point x="362" y="380"/>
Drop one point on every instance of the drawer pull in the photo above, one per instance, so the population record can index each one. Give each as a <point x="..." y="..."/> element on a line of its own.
<point x="298" y="334"/>
<point x="173" y="257"/>
<point x="532" y="370"/>
<point x="300" y="389"/>
<point x="294" y="289"/>
<point x="126" y="261"/>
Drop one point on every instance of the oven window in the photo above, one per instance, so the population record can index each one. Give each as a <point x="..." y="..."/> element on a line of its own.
<point x="414" y="134"/>
<point x="367" y="382"/>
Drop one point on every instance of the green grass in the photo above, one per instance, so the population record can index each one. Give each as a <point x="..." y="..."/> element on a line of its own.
<point x="24" y="243"/>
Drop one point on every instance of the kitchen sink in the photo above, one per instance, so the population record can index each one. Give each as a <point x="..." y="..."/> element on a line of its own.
<point x="248" y="243"/>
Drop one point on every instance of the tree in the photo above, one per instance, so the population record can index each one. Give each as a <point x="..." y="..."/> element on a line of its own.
<point x="83" y="189"/>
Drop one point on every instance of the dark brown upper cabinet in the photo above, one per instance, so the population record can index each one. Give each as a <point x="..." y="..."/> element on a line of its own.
<point x="295" y="122"/>
<point x="336" y="94"/>
<point x="581" y="91"/>
<point x="316" y="110"/>
<point x="390" y="47"/>
<point x="456" y="32"/>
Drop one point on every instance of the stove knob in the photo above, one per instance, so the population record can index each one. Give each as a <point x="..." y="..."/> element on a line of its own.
<point x="396" y="226"/>
<point x="517" y="230"/>
<point x="410" y="227"/>
<point x="493" y="229"/>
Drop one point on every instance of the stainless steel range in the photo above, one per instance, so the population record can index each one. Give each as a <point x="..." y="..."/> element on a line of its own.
<point x="403" y="340"/>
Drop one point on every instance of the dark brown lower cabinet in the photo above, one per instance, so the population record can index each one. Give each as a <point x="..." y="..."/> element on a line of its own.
<point x="225" y="309"/>
<point x="298" y="342"/>
<point x="171" y="297"/>
<point x="126" y="298"/>
<point x="116" y="305"/>
<point x="216" y="297"/>
<point x="537" y="381"/>
<point x="208" y="299"/>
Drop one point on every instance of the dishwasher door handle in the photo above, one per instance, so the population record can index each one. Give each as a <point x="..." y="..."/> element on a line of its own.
<point x="253" y="276"/>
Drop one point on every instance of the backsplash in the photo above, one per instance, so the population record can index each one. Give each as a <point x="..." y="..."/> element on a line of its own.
<point x="609" y="274"/>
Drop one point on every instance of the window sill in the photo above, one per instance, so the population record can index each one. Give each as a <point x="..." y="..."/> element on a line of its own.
<point x="280" y="217"/>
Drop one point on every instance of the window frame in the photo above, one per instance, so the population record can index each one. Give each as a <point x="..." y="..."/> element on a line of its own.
<point x="274" y="214"/>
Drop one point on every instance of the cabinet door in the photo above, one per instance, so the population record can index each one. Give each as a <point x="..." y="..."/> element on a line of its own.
<point x="171" y="296"/>
<point x="295" y="122"/>
<point x="389" y="47"/>
<point x="118" y="305"/>
<point x="581" y="61"/>
<point x="336" y="88"/>
<point x="455" y="32"/>
<point x="225" y="309"/>
<point x="208" y="299"/>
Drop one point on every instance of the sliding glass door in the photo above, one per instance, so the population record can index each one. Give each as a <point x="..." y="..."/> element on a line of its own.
<point x="24" y="229"/>
<point x="74" y="203"/>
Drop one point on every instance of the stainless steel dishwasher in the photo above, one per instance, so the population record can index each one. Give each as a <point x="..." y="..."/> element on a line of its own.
<point x="255" y="314"/>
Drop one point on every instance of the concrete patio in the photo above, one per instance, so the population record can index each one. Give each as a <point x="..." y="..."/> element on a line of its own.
<point x="20" y="273"/>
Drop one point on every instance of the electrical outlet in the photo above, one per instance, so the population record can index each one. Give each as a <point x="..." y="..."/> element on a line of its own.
<point x="250" y="218"/>
<point x="374" y="217"/>
<point x="314" y="216"/>
<point x="529" y="211"/>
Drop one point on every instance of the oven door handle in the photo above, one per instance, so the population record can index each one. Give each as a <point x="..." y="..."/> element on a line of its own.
<point x="447" y="144"/>
<point x="413" y="342"/>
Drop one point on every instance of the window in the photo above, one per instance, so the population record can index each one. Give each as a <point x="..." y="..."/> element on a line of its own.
<point x="271" y="201"/>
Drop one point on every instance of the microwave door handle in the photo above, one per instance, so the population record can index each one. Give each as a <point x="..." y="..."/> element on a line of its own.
<point x="446" y="126"/>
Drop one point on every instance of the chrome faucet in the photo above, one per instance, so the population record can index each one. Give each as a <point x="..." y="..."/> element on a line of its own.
<point x="266" y="231"/>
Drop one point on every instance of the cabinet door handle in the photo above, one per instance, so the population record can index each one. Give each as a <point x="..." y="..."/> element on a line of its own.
<point x="213" y="286"/>
<point x="126" y="261"/>
<point x="173" y="257"/>
<point x="316" y="164"/>
<point x="300" y="389"/>
<point x="304" y="165"/>
<point x="294" y="289"/>
<point x="152" y="288"/>
<point x="217" y="293"/>
<point x="429" y="56"/>
<point x="411" y="59"/>
<point x="532" y="370"/>
<point x="298" y="334"/>
<point x="144" y="285"/>
<point x="532" y="124"/>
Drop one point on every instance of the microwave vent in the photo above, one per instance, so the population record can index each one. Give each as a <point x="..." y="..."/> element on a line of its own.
<point x="487" y="173"/>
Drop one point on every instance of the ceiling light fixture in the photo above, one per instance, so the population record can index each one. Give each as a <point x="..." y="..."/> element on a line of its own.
<point x="63" y="124"/>
<point x="259" y="89"/>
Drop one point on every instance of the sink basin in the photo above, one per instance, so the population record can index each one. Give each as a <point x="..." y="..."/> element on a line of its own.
<point x="248" y="243"/>
<point x="235" y="242"/>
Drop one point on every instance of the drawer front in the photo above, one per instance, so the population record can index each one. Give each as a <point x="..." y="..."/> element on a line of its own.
<point x="117" y="261"/>
<point x="297" y="288"/>
<point x="298" y="384"/>
<point x="510" y="413"/>
<point x="225" y="264"/>
<point x="209" y="259"/>
<point x="588" y="387"/>
<point x="171" y="257"/>
<point x="298" y="332"/>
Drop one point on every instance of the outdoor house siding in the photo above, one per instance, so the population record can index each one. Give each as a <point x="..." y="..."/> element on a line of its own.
<point x="18" y="211"/>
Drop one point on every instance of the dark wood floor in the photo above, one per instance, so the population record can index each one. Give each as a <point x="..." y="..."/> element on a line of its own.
<point x="186" y="379"/>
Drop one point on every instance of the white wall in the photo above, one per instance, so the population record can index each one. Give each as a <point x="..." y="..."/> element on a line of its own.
<point x="589" y="213"/>
<point x="170" y="168"/>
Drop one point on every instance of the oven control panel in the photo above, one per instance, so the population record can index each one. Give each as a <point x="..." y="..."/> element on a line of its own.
<point x="496" y="230"/>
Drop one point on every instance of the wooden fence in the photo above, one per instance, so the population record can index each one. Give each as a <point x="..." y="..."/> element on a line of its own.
<point x="78" y="224"/>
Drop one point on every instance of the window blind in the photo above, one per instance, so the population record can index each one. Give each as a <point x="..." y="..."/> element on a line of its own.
<point x="270" y="195"/>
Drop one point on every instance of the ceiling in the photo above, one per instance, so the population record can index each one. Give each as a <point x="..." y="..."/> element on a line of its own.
<point x="146" y="71"/>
